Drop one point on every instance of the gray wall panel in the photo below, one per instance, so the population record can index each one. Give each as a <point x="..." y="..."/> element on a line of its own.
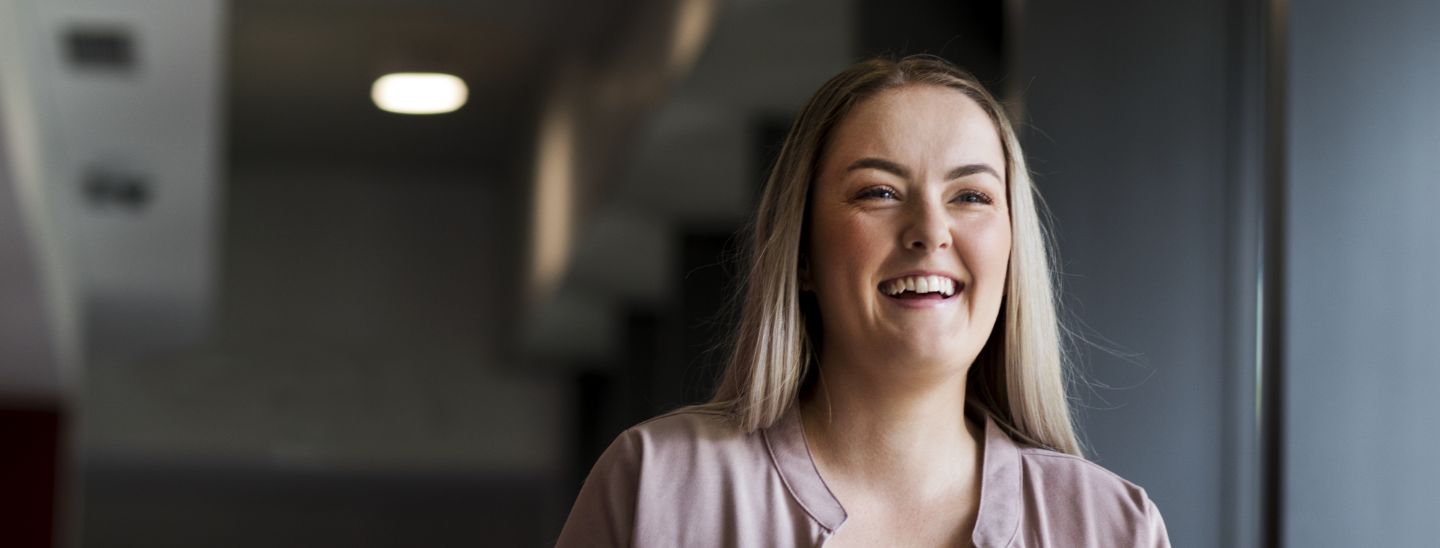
<point x="1127" y="107"/>
<point x="1364" y="252"/>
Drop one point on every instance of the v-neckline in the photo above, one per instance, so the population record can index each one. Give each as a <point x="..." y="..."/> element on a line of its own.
<point x="997" y="519"/>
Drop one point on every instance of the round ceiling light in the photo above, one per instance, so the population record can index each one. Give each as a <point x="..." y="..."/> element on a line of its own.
<point x="419" y="92"/>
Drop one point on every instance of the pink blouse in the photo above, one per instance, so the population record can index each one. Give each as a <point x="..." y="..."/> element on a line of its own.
<point x="690" y="478"/>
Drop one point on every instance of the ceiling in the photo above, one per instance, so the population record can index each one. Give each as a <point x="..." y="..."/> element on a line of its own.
<point x="290" y="83"/>
<point x="300" y="77"/>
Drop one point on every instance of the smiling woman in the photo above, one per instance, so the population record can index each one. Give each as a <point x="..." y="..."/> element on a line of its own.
<point x="897" y="375"/>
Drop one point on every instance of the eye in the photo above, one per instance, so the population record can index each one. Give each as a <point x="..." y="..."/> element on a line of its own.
<point x="973" y="197"/>
<point x="878" y="192"/>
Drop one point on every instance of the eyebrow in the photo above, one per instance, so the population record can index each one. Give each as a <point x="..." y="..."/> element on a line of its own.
<point x="900" y="171"/>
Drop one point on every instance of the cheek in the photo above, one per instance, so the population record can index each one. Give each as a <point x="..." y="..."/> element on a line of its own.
<point x="987" y="253"/>
<point x="842" y="249"/>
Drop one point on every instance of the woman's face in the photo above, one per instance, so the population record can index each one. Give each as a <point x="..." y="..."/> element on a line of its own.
<point x="910" y="231"/>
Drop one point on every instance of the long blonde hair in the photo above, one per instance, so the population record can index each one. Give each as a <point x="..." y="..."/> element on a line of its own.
<point x="1019" y="376"/>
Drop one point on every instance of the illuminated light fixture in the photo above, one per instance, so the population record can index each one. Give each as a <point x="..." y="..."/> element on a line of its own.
<point x="419" y="93"/>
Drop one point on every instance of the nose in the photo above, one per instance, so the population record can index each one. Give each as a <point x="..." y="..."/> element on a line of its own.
<point x="928" y="228"/>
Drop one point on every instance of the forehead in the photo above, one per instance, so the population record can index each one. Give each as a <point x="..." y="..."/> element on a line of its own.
<point x="918" y="124"/>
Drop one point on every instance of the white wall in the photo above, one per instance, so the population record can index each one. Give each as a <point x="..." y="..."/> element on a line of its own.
<point x="116" y="281"/>
<point x="28" y="369"/>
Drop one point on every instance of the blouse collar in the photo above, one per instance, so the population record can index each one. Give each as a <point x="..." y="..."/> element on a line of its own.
<point x="1000" y="491"/>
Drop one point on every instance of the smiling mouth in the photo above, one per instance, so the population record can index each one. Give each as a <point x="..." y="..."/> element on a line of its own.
<point x="921" y="287"/>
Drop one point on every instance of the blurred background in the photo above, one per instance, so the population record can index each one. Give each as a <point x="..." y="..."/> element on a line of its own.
<point x="247" y="300"/>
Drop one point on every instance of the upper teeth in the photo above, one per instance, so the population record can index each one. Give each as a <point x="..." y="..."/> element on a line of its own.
<point x="920" y="284"/>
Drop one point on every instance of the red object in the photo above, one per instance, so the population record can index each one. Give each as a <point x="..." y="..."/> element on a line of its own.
<point x="29" y="465"/>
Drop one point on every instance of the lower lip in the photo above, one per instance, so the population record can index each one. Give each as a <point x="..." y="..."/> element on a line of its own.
<point x="924" y="304"/>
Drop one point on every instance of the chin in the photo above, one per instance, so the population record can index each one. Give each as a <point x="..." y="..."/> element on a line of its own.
<point x="936" y="356"/>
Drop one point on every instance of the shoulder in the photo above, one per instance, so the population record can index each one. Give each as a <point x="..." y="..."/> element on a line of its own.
<point x="688" y="433"/>
<point x="1077" y="492"/>
<point x="684" y="425"/>
<point x="641" y="475"/>
<point x="1056" y="471"/>
<point x="677" y="439"/>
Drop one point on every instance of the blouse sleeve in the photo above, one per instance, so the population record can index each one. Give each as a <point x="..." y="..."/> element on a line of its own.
<point x="1154" y="533"/>
<point x="604" y="512"/>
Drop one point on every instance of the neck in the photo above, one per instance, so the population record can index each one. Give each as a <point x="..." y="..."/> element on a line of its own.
<point x="882" y="429"/>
